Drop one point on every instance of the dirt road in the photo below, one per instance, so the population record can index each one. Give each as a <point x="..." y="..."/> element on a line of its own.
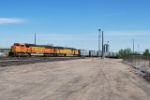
<point x="84" y="79"/>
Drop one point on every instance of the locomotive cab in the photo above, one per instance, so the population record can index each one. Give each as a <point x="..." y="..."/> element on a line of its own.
<point x="18" y="49"/>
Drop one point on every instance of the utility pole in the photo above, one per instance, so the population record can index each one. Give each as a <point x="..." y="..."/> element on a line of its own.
<point x="138" y="48"/>
<point x="99" y="42"/>
<point x="102" y="45"/>
<point x="133" y="45"/>
<point x="35" y="38"/>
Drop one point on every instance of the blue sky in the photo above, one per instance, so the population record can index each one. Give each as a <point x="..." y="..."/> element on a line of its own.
<point x="75" y="23"/>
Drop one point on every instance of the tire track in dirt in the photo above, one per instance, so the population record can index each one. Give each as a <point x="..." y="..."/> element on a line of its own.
<point x="83" y="79"/>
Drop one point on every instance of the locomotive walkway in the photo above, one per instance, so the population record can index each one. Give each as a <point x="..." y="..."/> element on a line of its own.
<point x="82" y="79"/>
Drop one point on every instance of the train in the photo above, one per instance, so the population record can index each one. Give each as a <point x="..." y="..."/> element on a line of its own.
<point x="25" y="49"/>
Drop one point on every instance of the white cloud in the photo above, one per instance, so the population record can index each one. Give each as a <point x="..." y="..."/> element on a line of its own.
<point x="11" y="20"/>
<point x="108" y="35"/>
<point x="127" y="33"/>
<point x="64" y="37"/>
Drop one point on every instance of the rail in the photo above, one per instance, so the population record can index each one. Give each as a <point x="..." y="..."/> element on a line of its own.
<point x="26" y="60"/>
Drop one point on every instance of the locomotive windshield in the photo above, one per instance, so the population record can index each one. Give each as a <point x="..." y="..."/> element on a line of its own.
<point x="16" y="44"/>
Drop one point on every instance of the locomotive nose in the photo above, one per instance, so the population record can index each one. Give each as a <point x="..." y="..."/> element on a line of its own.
<point x="13" y="48"/>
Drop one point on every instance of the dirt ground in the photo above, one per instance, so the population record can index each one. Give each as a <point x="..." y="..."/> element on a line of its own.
<point x="84" y="79"/>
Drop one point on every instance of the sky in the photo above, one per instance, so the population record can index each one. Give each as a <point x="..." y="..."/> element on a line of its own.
<point x="75" y="23"/>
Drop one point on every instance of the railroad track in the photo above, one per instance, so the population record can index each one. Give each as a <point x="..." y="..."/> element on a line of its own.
<point x="31" y="60"/>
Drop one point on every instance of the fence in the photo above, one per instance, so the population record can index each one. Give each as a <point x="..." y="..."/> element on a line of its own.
<point x="139" y="62"/>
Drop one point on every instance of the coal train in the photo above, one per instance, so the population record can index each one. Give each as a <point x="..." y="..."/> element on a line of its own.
<point x="25" y="49"/>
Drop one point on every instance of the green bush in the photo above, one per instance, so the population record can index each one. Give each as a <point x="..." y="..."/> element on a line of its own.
<point x="146" y="52"/>
<point x="124" y="52"/>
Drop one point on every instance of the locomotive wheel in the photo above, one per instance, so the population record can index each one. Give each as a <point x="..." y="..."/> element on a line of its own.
<point x="29" y="54"/>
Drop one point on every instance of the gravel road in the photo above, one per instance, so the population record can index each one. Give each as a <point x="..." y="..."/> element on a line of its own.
<point x="82" y="79"/>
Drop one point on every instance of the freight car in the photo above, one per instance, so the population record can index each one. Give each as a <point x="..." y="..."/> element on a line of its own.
<point x="112" y="54"/>
<point x="83" y="53"/>
<point x="20" y="49"/>
<point x="93" y="53"/>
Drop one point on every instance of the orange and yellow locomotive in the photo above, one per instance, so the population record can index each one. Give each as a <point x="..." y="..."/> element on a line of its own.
<point x="21" y="49"/>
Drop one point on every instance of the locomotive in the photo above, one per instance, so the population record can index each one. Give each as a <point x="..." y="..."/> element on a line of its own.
<point x="24" y="49"/>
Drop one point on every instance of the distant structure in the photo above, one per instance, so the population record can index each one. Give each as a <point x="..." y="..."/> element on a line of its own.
<point x="99" y="42"/>
<point x="133" y="45"/>
<point x="50" y="44"/>
<point x="4" y="51"/>
<point x="102" y="45"/>
<point x="106" y="48"/>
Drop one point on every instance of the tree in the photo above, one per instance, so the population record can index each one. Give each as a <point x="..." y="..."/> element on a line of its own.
<point x="121" y="53"/>
<point x="124" y="52"/>
<point x="146" y="52"/>
<point x="127" y="51"/>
